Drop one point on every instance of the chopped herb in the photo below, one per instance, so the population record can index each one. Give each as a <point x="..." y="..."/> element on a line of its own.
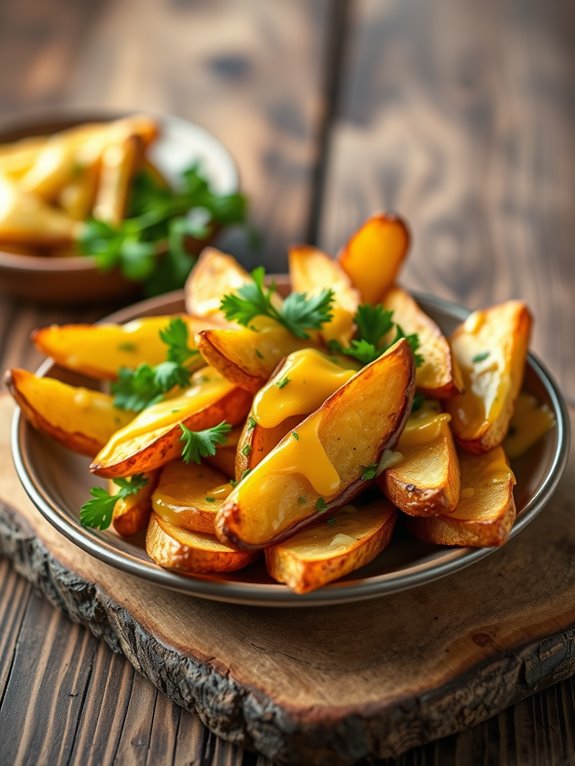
<point x="246" y="450"/>
<point x="283" y="382"/>
<point x="301" y="500"/>
<point x="295" y="435"/>
<point x="234" y="483"/>
<point x="199" y="444"/>
<point x="245" y="473"/>
<point x="259" y="354"/>
<point x="98" y="511"/>
<point x="320" y="505"/>
<point x="299" y="312"/>
<point x="159" y="215"/>
<point x="210" y="499"/>
<point x="129" y="348"/>
<point x="331" y="520"/>
<point x="176" y="337"/>
<point x="369" y="472"/>
<point x="252" y="423"/>
<point x="418" y="400"/>
<point x="480" y="357"/>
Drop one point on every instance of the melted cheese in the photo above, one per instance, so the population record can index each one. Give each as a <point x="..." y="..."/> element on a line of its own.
<point x="530" y="422"/>
<point x="312" y="378"/>
<point x="422" y="427"/>
<point x="305" y="456"/>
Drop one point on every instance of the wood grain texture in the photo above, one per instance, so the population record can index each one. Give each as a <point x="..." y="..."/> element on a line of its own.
<point x="288" y="683"/>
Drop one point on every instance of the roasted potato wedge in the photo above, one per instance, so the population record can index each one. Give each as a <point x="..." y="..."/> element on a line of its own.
<point x="426" y="480"/>
<point x="101" y="350"/>
<point x="78" y="196"/>
<point x="215" y="274"/>
<point x="311" y="270"/>
<point x="225" y="458"/>
<point x="153" y="438"/>
<point x="333" y="548"/>
<point x="438" y="376"/>
<point x="490" y="347"/>
<point x="486" y="509"/>
<point x="191" y="552"/>
<point x="245" y="357"/>
<point x="80" y="419"/>
<point x="131" y="514"/>
<point x="373" y="256"/>
<point x="324" y="467"/>
<point x="188" y="496"/>
<point x="256" y="442"/>
<point x="118" y="165"/>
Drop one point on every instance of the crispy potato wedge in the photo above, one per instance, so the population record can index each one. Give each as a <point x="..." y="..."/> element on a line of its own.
<point x="27" y="220"/>
<point x="80" y="419"/>
<point x="439" y="375"/>
<point x="245" y="357"/>
<point x="256" y="442"/>
<point x="490" y="347"/>
<point x="101" y="350"/>
<point x="486" y="509"/>
<point x="426" y="480"/>
<point x="373" y="256"/>
<point x="214" y="275"/>
<point x="191" y="552"/>
<point x="333" y="548"/>
<point x="78" y="196"/>
<point x="17" y="157"/>
<point x="311" y="270"/>
<point x="131" y="514"/>
<point x="324" y="467"/>
<point x="153" y="438"/>
<point x="118" y="164"/>
<point x="189" y="496"/>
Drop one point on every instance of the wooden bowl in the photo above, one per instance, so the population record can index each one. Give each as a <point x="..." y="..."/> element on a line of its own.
<point x="76" y="280"/>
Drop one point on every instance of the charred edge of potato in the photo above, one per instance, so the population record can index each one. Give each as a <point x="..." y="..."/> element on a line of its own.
<point x="416" y="501"/>
<point x="443" y="530"/>
<point x="304" y="578"/>
<point x="73" y="440"/>
<point x="225" y="524"/>
<point x="168" y="445"/>
<point x="214" y="357"/>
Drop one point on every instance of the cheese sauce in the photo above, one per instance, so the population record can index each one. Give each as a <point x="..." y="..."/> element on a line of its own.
<point x="530" y="422"/>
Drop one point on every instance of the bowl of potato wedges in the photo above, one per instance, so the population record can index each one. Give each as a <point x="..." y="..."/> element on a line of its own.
<point x="97" y="207"/>
<point x="320" y="437"/>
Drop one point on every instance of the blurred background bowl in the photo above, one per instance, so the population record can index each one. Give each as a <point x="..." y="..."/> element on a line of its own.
<point x="74" y="280"/>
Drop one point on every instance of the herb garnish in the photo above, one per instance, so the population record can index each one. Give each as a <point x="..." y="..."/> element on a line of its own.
<point x="369" y="472"/>
<point x="481" y="357"/>
<point x="320" y="505"/>
<point x="283" y="382"/>
<point x="98" y="511"/>
<point x="298" y="313"/>
<point x="158" y="215"/>
<point x="199" y="444"/>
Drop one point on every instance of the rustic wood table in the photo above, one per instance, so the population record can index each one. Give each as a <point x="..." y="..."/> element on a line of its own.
<point x="459" y="115"/>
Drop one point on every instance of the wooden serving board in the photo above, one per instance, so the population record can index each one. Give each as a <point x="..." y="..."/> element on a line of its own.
<point x="333" y="684"/>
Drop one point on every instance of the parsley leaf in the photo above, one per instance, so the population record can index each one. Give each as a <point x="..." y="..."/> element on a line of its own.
<point x="298" y="313"/>
<point x="199" y="444"/>
<point x="283" y="382"/>
<point x="369" y="472"/>
<point x="98" y="511"/>
<point x="481" y="357"/>
<point x="158" y="216"/>
<point x="373" y="323"/>
<point x="146" y="385"/>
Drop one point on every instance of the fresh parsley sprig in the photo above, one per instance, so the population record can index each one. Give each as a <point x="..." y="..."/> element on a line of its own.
<point x="374" y="325"/>
<point x="138" y="389"/>
<point x="159" y="215"/>
<point x="98" y="511"/>
<point x="199" y="444"/>
<point x="299" y="312"/>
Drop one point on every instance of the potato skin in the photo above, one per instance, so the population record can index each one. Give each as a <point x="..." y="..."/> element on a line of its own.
<point x="131" y="513"/>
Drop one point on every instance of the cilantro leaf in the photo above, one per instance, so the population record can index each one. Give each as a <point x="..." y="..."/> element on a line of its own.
<point x="199" y="444"/>
<point x="98" y="511"/>
<point x="298" y="313"/>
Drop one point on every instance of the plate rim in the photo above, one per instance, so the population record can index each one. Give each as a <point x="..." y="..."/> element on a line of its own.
<point x="276" y="594"/>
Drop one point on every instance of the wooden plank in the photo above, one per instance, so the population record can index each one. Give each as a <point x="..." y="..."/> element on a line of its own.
<point x="460" y="116"/>
<point x="289" y="683"/>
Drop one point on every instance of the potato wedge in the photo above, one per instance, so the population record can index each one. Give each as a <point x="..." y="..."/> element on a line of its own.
<point x="80" y="419"/>
<point x="426" y="480"/>
<point x="311" y="270"/>
<point x="214" y="275"/>
<point x="245" y="357"/>
<point x="118" y="165"/>
<point x="17" y="157"/>
<point x="373" y="256"/>
<point x="189" y="496"/>
<point x="439" y="375"/>
<point x="324" y="467"/>
<point x="191" y="552"/>
<point x="225" y="458"/>
<point x="490" y="347"/>
<point x="101" y="350"/>
<point x="78" y="196"/>
<point x="333" y="548"/>
<point x="131" y="514"/>
<point x="153" y="438"/>
<point x="256" y="442"/>
<point x="486" y="509"/>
